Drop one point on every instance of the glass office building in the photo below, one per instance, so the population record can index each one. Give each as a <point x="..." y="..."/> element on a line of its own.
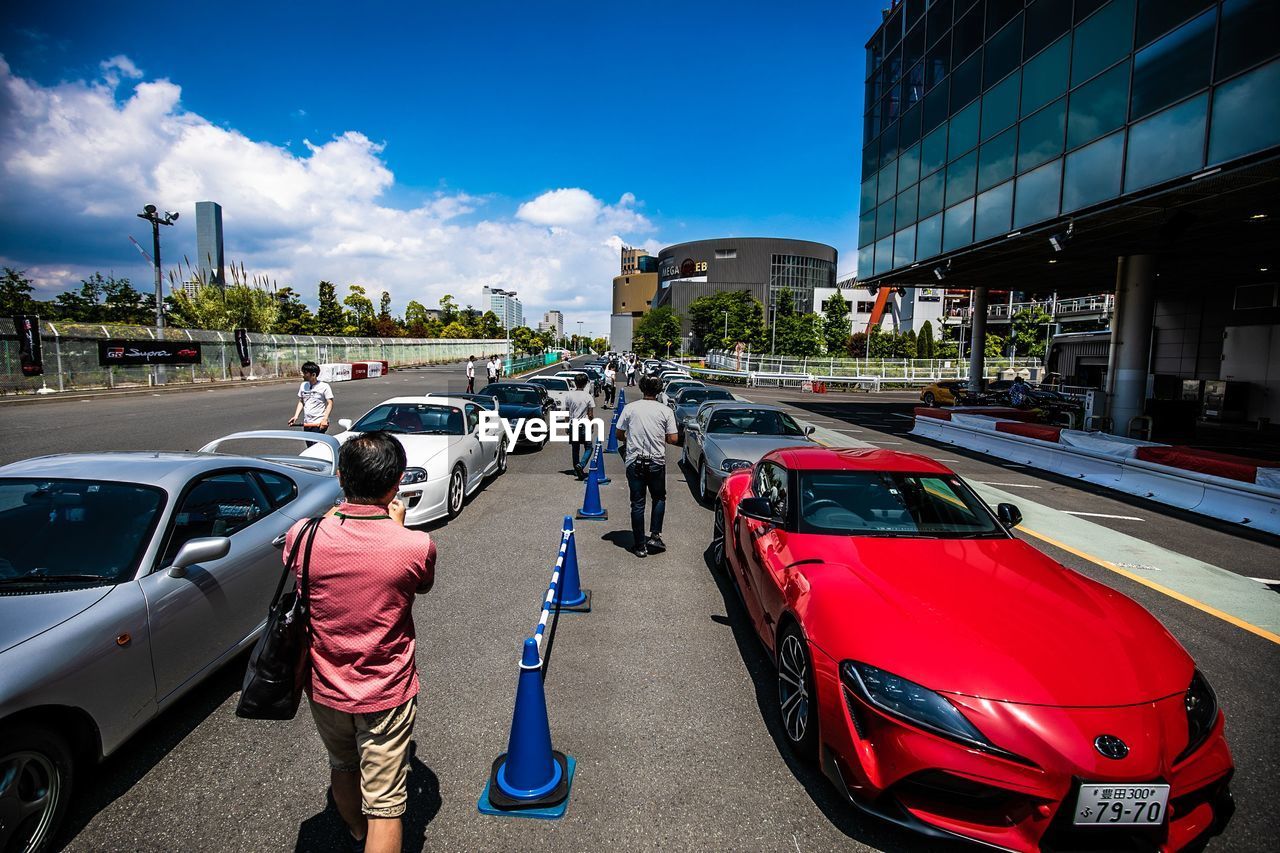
<point x="986" y="118"/>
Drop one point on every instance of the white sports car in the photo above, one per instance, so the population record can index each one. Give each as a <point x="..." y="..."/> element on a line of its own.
<point x="447" y="461"/>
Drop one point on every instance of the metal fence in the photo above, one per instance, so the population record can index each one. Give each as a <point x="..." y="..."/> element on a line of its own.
<point x="908" y="369"/>
<point x="70" y="355"/>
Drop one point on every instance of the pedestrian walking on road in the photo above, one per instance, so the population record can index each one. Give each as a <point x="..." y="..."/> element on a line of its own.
<point x="315" y="401"/>
<point x="580" y="405"/>
<point x="610" y="384"/>
<point x="492" y="369"/>
<point x="471" y="374"/>
<point x="501" y="365"/>
<point x="631" y="371"/>
<point x="644" y="429"/>
<point x="365" y="570"/>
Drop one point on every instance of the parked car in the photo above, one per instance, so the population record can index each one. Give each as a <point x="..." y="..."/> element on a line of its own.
<point x="126" y="579"/>
<point x="447" y="461"/>
<point x="483" y="400"/>
<point x="951" y="678"/>
<point x="725" y="437"/>
<point x="555" y="386"/>
<point x="674" y="386"/>
<point x="947" y="392"/>
<point x="519" y="403"/>
<point x="687" y="400"/>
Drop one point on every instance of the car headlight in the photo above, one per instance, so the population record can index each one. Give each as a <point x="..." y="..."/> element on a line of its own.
<point x="920" y="706"/>
<point x="731" y="465"/>
<point x="413" y="475"/>
<point x="1202" y="713"/>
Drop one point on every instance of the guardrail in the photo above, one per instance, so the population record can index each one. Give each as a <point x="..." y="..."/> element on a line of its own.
<point x="859" y="369"/>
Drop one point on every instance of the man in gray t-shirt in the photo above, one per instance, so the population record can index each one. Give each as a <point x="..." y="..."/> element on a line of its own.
<point x="579" y="404"/>
<point x="644" y="429"/>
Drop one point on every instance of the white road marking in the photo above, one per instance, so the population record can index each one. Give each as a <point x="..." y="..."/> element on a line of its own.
<point x="952" y="461"/>
<point x="906" y="417"/>
<point x="1011" y="465"/>
<point x="1009" y="485"/>
<point x="1266" y="581"/>
<point x="1102" y="515"/>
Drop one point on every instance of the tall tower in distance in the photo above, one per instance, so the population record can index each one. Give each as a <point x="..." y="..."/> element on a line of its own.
<point x="209" y="260"/>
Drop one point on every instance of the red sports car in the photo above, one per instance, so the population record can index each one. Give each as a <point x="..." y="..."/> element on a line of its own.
<point x="953" y="679"/>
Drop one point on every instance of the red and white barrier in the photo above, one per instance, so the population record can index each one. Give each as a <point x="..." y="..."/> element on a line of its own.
<point x="349" y="370"/>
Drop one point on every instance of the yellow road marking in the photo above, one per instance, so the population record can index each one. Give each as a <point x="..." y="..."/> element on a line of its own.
<point x="1185" y="599"/>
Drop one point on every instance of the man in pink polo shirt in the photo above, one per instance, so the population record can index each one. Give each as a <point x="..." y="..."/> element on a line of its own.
<point x="365" y="570"/>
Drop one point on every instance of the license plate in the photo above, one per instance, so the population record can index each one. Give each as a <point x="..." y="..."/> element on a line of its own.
<point x="1122" y="805"/>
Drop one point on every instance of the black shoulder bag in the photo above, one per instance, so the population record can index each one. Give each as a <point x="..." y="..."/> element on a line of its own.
<point x="281" y="660"/>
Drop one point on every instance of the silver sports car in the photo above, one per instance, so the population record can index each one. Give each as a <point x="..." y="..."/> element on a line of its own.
<point x="126" y="579"/>
<point x="731" y="435"/>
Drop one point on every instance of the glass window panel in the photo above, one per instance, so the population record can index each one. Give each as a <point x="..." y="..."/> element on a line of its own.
<point x="964" y="82"/>
<point x="906" y="207"/>
<point x="1173" y="67"/>
<point x="1046" y="20"/>
<point x="888" y="183"/>
<point x="929" y="237"/>
<point x="913" y="86"/>
<point x="1098" y="106"/>
<point x="933" y="151"/>
<point x="961" y="178"/>
<point x="868" y="198"/>
<point x="867" y="260"/>
<point x="893" y="29"/>
<point x="904" y="247"/>
<point x="935" y="106"/>
<point x="909" y="166"/>
<point x="1246" y="114"/>
<point x="1093" y="173"/>
<point x="915" y="8"/>
<point x="1166" y="145"/>
<point x="1102" y="40"/>
<point x="1040" y="136"/>
<point x="1003" y="53"/>
<point x="889" y="143"/>
<point x="913" y="46"/>
<point x="1045" y="77"/>
<point x="931" y="194"/>
<point x="910" y="127"/>
<point x="884" y="220"/>
<point x="938" y="20"/>
<point x="995" y="159"/>
<point x="967" y="35"/>
<point x="937" y="63"/>
<point x="1157" y="17"/>
<point x="894" y="66"/>
<point x="884" y="255"/>
<point x="993" y="212"/>
<point x="1000" y="106"/>
<point x="957" y="228"/>
<point x="1247" y="34"/>
<point x="1037" y="196"/>
<point x="964" y="131"/>
<point x="1084" y="8"/>
<point x="999" y="12"/>
<point x="867" y="226"/>
<point x="870" y="160"/>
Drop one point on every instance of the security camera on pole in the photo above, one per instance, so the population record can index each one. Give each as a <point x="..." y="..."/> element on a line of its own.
<point x="152" y="215"/>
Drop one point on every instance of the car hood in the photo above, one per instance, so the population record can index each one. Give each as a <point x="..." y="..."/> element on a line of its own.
<point x="748" y="447"/>
<point x="513" y="410"/>
<point x="26" y="615"/>
<point x="991" y="618"/>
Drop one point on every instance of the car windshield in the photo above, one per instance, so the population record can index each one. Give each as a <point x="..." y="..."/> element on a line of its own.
<point x="514" y="396"/>
<point x="892" y="504"/>
<point x="752" y="422"/>
<point x="552" y="383"/>
<point x="696" y="394"/>
<point x="73" y="531"/>
<point x="413" y="419"/>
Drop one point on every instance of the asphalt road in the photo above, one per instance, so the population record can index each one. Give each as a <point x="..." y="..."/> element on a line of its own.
<point x="661" y="693"/>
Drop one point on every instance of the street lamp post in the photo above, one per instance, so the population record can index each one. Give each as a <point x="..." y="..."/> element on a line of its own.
<point x="579" y="335"/>
<point x="152" y="215"/>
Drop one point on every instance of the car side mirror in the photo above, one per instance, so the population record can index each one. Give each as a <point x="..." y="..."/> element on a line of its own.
<point x="758" y="509"/>
<point x="202" y="550"/>
<point x="345" y="423"/>
<point x="809" y="430"/>
<point x="692" y="426"/>
<point x="1010" y="516"/>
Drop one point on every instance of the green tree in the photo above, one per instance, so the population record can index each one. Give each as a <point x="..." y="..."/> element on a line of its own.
<point x="835" y="322"/>
<point x="909" y="346"/>
<point x="655" y="332"/>
<point x="359" y="319"/>
<point x="125" y="305"/>
<point x="924" y="344"/>
<point x="236" y="306"/>
<point x="415" y="319"/>
<point x="329" y="315"/>
<point x="880" y="344"/>
<point x="745" y="320"/>
<point x="1029" y="330"/>
<point x="857" y="346"/>
<point x="946" y="349"/>
<point x="455" y="330"/>
<point x="525" y="339"/>
<point x="600" y="344"/>
<point x="15" y="294"/>
<point x="800" y="335"/>
<point x="491" y="327"/>
<point x="448" y="309"/>
<point x="294" y="317"/>
<point x="994" y="346"/>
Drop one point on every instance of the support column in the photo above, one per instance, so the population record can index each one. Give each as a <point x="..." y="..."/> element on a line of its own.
<point x="977" y="337"/>
<point x="1131" y="325"/>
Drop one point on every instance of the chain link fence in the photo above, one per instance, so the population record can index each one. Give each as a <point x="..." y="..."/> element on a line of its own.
<point x="70" y="356"/>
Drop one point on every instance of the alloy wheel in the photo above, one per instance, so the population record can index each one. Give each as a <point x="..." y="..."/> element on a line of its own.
<point x="718" y="546"/>
<point x="30" y="791"/>
<point x="793" y="687"/>
<point x="702" y="481"/>
<point x="456" y="489"/>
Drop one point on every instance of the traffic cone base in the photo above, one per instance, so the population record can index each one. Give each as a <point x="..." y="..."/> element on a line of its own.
<point x="494" y="802"/>
<point x="582" y="605"/>
<point x="591" y="507"/>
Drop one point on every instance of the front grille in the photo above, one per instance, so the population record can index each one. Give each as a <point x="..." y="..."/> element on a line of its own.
<point x="945" y="793"/>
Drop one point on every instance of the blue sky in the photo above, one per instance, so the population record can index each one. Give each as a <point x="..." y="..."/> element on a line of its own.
<point x="405" y="145"/>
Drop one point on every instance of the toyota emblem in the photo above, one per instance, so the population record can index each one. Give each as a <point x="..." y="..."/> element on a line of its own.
<point x="1110" y="746"/>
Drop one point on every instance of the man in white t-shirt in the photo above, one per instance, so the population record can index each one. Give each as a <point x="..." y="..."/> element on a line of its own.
<point x="644" y="429"/>
<point x="581" y="406"/>
<point x="315" y="401"/>
<point x="610" y="384"/>
<point x="471" y="374"/>
<point x="492" y="368"/>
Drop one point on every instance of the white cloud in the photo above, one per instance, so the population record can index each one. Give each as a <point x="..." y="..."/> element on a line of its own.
<point x="88" y="154"/>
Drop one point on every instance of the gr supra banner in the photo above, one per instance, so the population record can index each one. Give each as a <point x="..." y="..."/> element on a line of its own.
<point x="28" y="329"/>
<point x="134" y="353"/>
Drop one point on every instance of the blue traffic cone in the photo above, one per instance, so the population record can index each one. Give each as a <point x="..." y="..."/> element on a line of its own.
<point x="530" y="778"/>
<point x="612" y="446"/>
<point x="569" y="592"/>
<point x="591" y="507"/>
<point x="604" y="478"/>
<point x="622" y="399"/>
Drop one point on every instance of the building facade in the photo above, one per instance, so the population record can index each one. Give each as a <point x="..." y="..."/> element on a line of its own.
<point x="903" y="312"/>
<point x="552" y="321"/>
<point x="504" y="303"/>
<point x="632" y="298"/>
<point x="636" y="260"/>
<point x="770" y="268"/>
<point x="209" y="258"/>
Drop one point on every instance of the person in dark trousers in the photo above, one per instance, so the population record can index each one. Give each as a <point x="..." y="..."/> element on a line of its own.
<point x="365" y="570"/>
<point x="492" y="369"/>
<point x="471" y="374"/>
<point x="579" y="404"/>
<point x="644" y="429"/>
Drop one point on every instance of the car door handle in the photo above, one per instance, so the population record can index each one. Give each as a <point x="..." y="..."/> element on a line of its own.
<point x="279" y="540"/>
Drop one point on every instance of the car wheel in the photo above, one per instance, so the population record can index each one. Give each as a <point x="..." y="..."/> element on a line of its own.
<point x="719" y="557"/>
<point x="797" y="701"/>
<point x="702" y="481"/>
<point x="36" y="774"/>
<point x="928" y="398"/>
<point x="502" y="461"/>
<point x="457" y="490"/>
<point x="684" y="457"/>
